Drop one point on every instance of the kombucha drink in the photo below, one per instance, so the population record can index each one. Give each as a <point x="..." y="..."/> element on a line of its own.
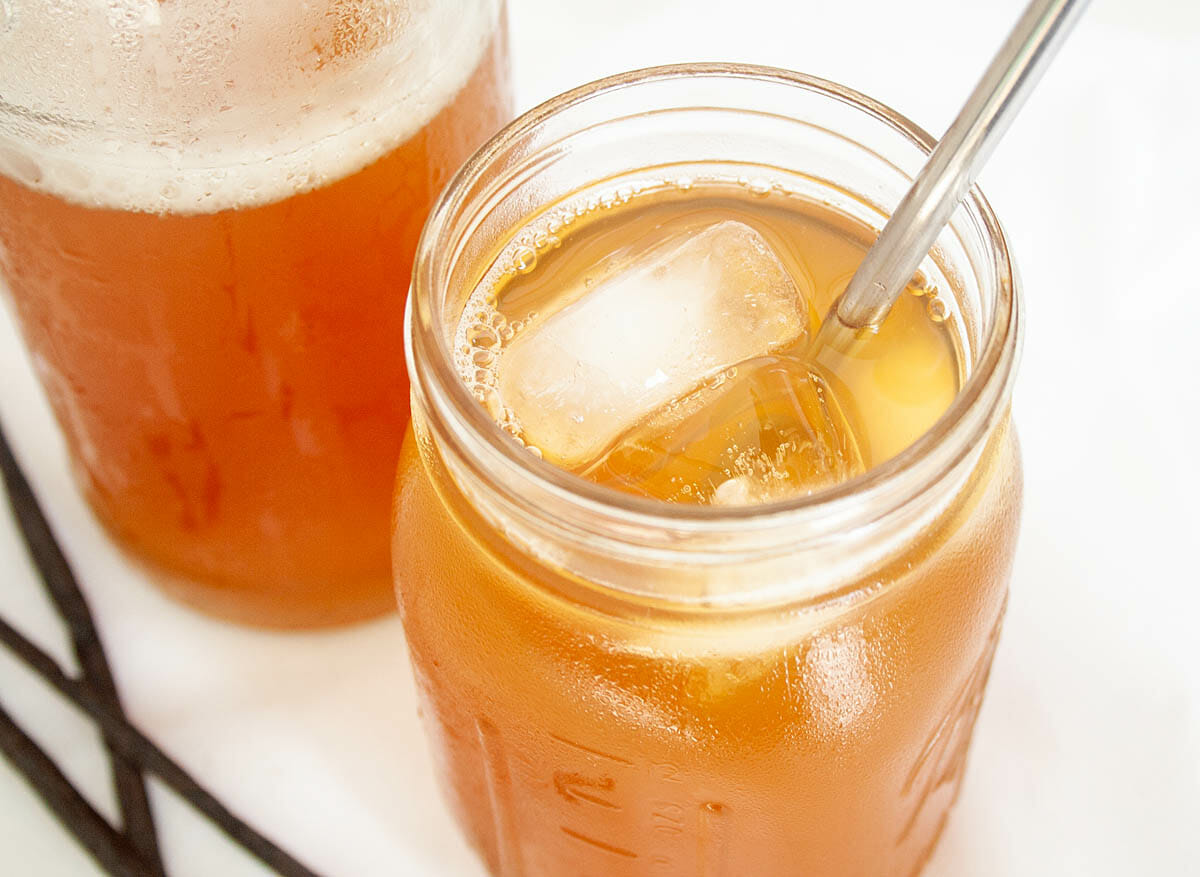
<point x="216" y="315"/>
<point x="655" y="341"/>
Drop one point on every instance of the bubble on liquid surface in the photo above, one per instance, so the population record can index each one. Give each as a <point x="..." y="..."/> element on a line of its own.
<point x="524" y="260"/>
<point x="480" y="340"/>
<point x="936" y="308"/>
<point x="760" y="187"/>
<point x="483" y="337"/>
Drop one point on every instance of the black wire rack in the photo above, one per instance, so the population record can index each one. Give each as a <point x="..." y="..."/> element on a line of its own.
<point x="131" y="848"/>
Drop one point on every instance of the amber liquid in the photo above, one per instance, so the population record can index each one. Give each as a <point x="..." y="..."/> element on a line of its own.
<point x="824" y="738"/>
<point x="231" y="385"/>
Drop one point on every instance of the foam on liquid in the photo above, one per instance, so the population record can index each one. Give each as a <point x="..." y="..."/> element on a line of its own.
<point x="207" y="105"/>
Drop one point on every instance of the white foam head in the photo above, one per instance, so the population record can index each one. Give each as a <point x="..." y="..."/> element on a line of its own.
<point x="200" y="105"/>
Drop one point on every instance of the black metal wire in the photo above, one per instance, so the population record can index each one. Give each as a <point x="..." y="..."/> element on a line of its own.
<point x="131" y="751"/>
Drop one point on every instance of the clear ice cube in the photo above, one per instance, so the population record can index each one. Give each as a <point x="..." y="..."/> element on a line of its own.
<point x="772" y="430"/>
<point x="676" y="315"/>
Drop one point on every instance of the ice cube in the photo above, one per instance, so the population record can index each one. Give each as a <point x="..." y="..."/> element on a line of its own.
<point x="679" y="313"/>
<point x="773" y="430"/>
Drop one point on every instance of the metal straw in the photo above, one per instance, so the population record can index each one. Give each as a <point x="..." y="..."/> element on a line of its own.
<point x="951" y="168"/>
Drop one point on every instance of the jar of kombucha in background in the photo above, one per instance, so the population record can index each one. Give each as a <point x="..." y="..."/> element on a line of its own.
<point x="208" y="212"/>
<point x="680" y="599"/>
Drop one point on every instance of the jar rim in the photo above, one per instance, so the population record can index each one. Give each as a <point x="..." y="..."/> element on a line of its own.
<point x="969" y="418"/>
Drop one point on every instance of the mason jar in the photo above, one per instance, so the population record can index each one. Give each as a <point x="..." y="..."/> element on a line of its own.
<point x="208" y="213"/>
<point x="617" y="685"/>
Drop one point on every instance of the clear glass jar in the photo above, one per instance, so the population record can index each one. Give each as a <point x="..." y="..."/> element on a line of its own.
<point x="620" y="686"/>
<point x="208" y="212"/>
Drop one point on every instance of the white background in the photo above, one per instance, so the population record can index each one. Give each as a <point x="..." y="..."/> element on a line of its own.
<point x="1087" y="753"/>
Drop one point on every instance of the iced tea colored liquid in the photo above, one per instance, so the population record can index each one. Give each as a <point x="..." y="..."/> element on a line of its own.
<point x="656" y="342"/>
<point x="228" y="380"/>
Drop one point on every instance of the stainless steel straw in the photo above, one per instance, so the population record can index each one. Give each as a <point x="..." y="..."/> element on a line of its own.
<point x="951" y="169"/>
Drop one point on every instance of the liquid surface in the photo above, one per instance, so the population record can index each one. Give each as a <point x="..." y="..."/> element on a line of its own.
<point x="661" y="346"/>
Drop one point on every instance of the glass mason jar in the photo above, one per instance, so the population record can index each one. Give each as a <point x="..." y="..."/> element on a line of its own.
<point x="614" y="685"/>
<point x="208" y="212"/>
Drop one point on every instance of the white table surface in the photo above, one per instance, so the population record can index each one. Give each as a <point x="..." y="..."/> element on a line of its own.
<point x="1087" y="754"/>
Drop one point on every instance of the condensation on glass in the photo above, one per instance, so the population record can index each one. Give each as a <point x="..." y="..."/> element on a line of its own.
<point x="616" y="685"/>
<point x="208" y="212"/>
